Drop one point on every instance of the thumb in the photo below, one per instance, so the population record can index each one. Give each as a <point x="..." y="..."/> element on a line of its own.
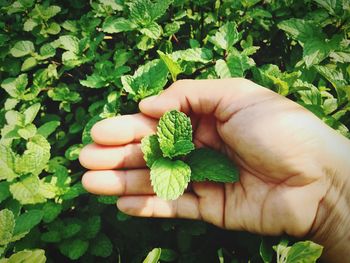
<point x="218" y="97"/>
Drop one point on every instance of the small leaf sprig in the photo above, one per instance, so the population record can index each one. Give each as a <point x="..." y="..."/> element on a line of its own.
<point x="174" y="162"/>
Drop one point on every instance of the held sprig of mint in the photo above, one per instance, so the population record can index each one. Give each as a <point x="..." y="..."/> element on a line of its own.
<point x="174" y="161"/>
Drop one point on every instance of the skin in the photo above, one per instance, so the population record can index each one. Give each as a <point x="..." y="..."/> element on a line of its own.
<point x="294" y="169"/>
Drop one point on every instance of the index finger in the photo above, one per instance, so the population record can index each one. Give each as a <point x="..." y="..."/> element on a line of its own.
<point x="123" y="129"/>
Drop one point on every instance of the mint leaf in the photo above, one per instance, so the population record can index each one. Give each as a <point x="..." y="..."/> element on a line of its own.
<point x="4" y="190"/>
<point x="28" y="256"/>
<point x="226" y="37"/>
<point x="207" y="164"/>
<point x="304" y="252"/>
<point x="117" y="25"/>
<point x="201" y="55"/>
<point x="27" y="191"/>
<point x="74" y="249"/>
<point x="153" y="256"/>
<point x="173" y="67"/>
<point x="169" y="178"/>
<point x="7" y="225"/>
<point x="7" y="159"/>
<point x="174" y="133"/>
<point x="101" y="246"/>
<point x="35" y="158"/>
<point x="26" y="221"/>
<point x="22" y="48"/>
<point x="150" y="149"/>
<point x="31" y="112"/>
<point x="48" y="128"/>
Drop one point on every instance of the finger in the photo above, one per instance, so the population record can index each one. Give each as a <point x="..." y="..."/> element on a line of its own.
<point x="114" y="182"/>
<point x="219" y="97"/>
<point x="123" y="129"/>
<point x="186" y="206"/>
<point x="97" y="157"/>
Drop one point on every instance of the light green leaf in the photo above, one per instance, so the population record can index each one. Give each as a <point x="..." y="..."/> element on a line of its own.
<point x="35" y="157"/>
<point x="28" y="64"/>
<point x="69" y="43"/>
<point x="226" y="37"/>
<point x="153" y="256"/>
<point x="29" y="25"/>
<point x="7" y="159"/>
<point x="53" y="28"/>
<point x="26" y="221"/>
<point x="207" y="164"/>
<point x="202" y="55"/>
<point x="27" y="131"/>
<point x="48" y="12"/>
<point x="47" y="51"/>
<point x="174" y="68"/>
<point x="94" y="81"/>
<point x="72" y="153"/>
<point x="15" y="87"/>
<point x="150" y="149"/>
<point x="27" y="191"/>
<point x="116" y="25"/>
<point x="152" y="30"/>
<point x="74" y="249"/>
<point x="47" y="128"/>
<point x="169" y="178"/>
<point x="28" y="256"/>
<point x="31" y="112"/>
<point x="304" y="252"/>
<point x="175" y="134"/>
<point x="315" y="51"/>
<point x="22" y="48"/>
<point x="7" y="225"/>
<point x="222" y="69"/>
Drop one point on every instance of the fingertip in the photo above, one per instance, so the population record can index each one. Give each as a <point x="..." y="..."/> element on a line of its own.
<point x="112" y="131"/>
<point x="156" y="106"/>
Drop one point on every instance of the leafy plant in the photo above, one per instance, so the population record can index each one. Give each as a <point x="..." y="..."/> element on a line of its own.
<point x="64" y="65"/>
<point x="163" y="151"/>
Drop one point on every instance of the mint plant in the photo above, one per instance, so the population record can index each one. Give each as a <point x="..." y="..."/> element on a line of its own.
<point x="174" y="161"/>
<point x="64" y="65"/>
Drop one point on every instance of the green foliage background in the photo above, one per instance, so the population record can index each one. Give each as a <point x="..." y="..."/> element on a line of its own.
<point x="64" y="65"/>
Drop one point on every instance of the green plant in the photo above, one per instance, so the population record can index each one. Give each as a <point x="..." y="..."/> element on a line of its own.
<point x="163" y="151"/>
<point x="64" y="65"/>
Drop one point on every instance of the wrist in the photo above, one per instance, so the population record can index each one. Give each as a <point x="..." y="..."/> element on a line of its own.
<point x="331" y="227"/>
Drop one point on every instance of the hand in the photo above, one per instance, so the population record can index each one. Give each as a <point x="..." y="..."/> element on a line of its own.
<point x="292" y="166"/>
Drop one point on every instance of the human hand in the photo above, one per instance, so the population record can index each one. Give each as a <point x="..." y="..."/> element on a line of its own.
<point x="292" y="166"/>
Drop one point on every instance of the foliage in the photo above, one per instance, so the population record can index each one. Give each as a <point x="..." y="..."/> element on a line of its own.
<point x="174" y="161"/>
<point x="64" y="65"/>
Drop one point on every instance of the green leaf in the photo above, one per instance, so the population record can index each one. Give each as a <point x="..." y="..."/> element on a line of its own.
<point x="226" y="37"/>
<point x="69" y="43"/>
<point x="28" y="256"/>
<point x="94" y="81"/>
<point x="29" y="63"/>
<point x="173" y="67"/>
<point x="304" y="252"/>
<point x="27" y="191"/>
<point x="116" y="25"/>
<point x="169" y="178"/>
<point x="15" y="87"/>
<point x="22" y="48"/>
<point x="91" y="227"/>
<point x="207" y="164"/>
<point x="28" y="131"/>
<point x="74" y="249"/>
<point x="51" y="237"/>
<point x="35" y="158"/>
<point x="47" y="51"/>
<point x="50" y="211"/>
<point x="29" y="25"/>
<point x="153" y="256"/>
<point x="222" y="69"/>
<point x="202" y="55"/>
<point x="26" y="221"/>
<point x="101" y="246"/>
<point x="175" y="134"/>
<point x="7" y="160"/>
<point x="147" y="80"/>
<point x="7" y="225"/>
<point x="152" y="30"/>
<point x="31" y="112"/>
<point x="150" y="149"/>
<point x="47" y="128"/>
<point x="72" y="153"/>
<point x="4" y="190"/>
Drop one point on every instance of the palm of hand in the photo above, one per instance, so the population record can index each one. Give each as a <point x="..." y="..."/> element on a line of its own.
<point x="278" y="191"/>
